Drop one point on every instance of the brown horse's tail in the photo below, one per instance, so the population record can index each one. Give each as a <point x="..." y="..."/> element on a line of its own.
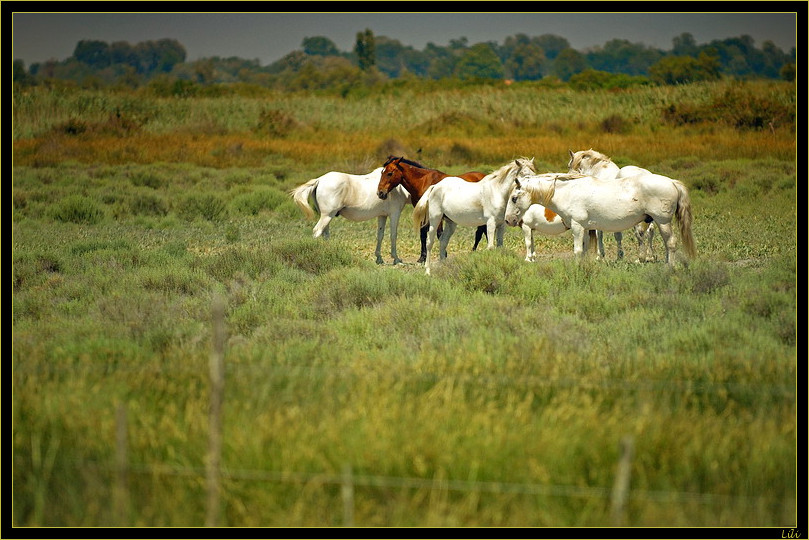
<point x="301" y="197"/>
<point x="685" y="219"/>
<point x="420" y="211"/>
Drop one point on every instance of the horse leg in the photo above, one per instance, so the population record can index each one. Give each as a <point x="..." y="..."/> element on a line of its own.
<point x="640" y="233"/>
<point x="650" y="234"/>
<point x="581" y="240"/>
<point x="491" y="232"/>
<point x="529" y="243"/>
<point x="431" y="234"/>
<point x="480" y="232"/>
<point x="600" y="239"/>
<point x="644" y="233"/>
<point x="670" y="241"/>
<point x="423" y="233"/>
<point x="619" y="237"/>
<point x="380" y="234"/>
<point x="394" y="233"/>
<point x="321" y="228"/>
<point x="449" y="230"/>
<point x="500" y="230"/>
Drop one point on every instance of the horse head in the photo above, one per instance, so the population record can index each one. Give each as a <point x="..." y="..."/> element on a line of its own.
<point x="518" y="202"/>
<point x="391" y="176"/>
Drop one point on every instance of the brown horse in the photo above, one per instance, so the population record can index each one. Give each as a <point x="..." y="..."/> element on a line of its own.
<point x="416" y="178"/>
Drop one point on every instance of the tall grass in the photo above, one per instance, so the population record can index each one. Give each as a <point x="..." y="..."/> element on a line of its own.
<point x="493" y="394"/>
<point x="492" y="123"/>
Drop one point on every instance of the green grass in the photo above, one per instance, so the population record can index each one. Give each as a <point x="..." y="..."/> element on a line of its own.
<point x="493" y="393"/>
<point x="493" y="370"/>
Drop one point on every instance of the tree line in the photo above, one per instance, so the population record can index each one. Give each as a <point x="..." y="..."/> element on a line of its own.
<point x="319" y="64"/>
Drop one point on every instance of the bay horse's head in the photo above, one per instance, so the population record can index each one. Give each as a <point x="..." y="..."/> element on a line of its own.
<point x="392" y="176"/>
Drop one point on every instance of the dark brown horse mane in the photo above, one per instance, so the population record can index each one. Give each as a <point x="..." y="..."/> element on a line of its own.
<point x="405" y="160"/>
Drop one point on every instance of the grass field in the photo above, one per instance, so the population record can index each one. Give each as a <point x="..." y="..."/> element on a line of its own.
<point x="493" y="393"/>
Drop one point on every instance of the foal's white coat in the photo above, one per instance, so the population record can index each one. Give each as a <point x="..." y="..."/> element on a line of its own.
<point x="608" y="205"/>
<point x="469" y="204"/>
<point x="353" y="197"/>
<point x="592" y="163"/>
<point x="539" y="219"/>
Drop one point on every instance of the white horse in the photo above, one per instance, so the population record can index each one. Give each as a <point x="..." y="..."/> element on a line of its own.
<point x="469" y="204"/>
<point x="353" y="197"/>
<point x="609" y="205"/>
<point x="592" y="163"/>
<point x="543" y="220"/>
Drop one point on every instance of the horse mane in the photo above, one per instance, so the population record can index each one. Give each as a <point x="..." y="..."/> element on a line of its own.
<point x="407" y="161"/>
<point x="540" y="193"/>
<point x="503" y="172"/>
<point x="591" y="156"/>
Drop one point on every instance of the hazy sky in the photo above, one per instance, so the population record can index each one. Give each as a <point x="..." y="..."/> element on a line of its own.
<point x="269" y="36"/>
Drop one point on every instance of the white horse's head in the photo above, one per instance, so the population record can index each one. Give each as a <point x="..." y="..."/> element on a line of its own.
<point x="532" y="189"/>
<point x="518" y="202"/>
<point x="590" y="162"/>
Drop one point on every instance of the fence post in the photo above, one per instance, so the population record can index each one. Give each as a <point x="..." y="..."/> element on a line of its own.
<point x="217" y="366"/>
<point x="620" y="489"/>
<point x="121" y="493"/>
<point x="347" y="491"/>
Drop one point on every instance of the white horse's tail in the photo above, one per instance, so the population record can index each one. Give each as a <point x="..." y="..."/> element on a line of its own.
<point x="685" y="219"/>
<point x="420" y="211"/>
<point x="301" y="197"/>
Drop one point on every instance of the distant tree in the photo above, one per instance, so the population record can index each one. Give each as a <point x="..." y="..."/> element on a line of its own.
<point x="788" y="72"/>
<point x="122" y="52"/>
<point x="457" y="44"/>
<point x="774" y="60"/>
<point x="622" y="56"/>
<point x="159" y="56"/>
<point x="479" y="61"/>
<point x="684" y="45"/>
<point x="527" y="62"/>
<point x="293" y="61"/>
<point x="506" y="51"/>
<point x="365" y="48"/>
<point x="21" y="76"/>
<point x="94" y="53"/>
<point x="319" y="46"/>
<point x="685" y="69"/>
<point x="551" y="45"/>
<point x="567" y="63"/>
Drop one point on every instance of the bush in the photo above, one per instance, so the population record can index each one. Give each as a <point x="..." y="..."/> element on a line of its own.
<point x="276" y="123"/>
<point x="738" y="106"/>
<point x="205" y="205"/>
<point x="255" y="202"/>
<point x="78" y="209"/>
<point x="148" y="205"/>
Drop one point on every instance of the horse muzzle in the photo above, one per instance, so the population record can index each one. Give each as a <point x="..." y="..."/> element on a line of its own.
<point x="513" y="222"/>
<point x="382" y="195"/>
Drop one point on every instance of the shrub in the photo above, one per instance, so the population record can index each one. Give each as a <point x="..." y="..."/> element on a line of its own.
<point x="276" y="123"/>
<point x="253" y="203"/>
<point x="78" y="209"/>
<point x="615" y="123"/>
<point x="149" y="205"/>
<point x="204" y="205"/>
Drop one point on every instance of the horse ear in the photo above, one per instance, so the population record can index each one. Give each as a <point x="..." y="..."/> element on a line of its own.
<point x="517" y="181"/>
<point x="569" y="151"/>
